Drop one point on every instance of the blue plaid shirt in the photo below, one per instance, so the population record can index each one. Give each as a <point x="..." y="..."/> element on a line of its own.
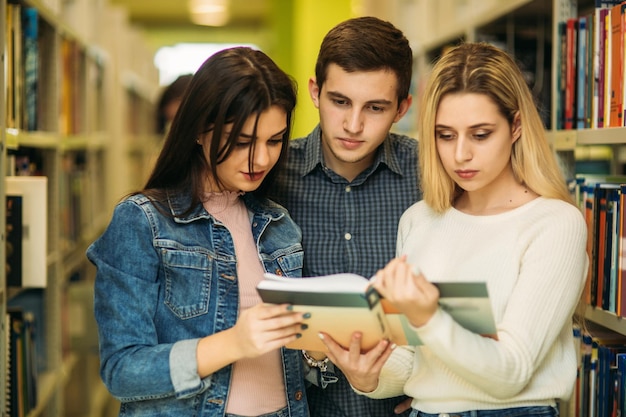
<point x="348" y="227"/>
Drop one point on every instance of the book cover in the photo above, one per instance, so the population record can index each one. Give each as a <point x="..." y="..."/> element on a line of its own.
<point x="589" y="72"/>
<point x="608" y="62"/>
<point x="16" y="388"/>
<point x="616" y="51"/>
<point x="621" y="384"/>
<point x="621" y="269"/>
<point x="600" y="244"/>
<point x="13" y="240"/>
<point x="18" y="66"/>
<point x="590" y="285"/>
<point x="601" y="66"/>
<point x="341" y="304"/>
<point x="587" y="373"/>
<point x="582" y="73"/>
<point x="33" y="191"/>
<point x="609" y="238"/>
<point x="570" y="73"/>
<point x="561" y="75"/>
<point x="614" y="208"/>
<point x="30" y="30"/>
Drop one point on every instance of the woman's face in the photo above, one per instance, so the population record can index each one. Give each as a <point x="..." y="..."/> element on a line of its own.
<point x="474" y="141"/>
<point x="234" y="172"/>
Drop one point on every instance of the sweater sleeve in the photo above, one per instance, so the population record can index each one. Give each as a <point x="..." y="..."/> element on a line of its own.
<point x="394" y="374"/>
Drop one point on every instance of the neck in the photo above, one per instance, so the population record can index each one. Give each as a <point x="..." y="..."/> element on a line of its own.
<point x="348" y="169"/>
<point x="495" y="200"/>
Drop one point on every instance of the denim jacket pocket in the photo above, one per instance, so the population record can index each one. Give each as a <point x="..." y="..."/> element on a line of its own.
<point x="187" y="281"/>
<point x="290" y="263"/>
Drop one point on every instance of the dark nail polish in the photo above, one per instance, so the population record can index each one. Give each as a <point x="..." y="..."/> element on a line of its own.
<point x="304" y="326"/>
<point x="298" y="335"/>
<point x="289" y="307"/>
<point x="306" y="316"/>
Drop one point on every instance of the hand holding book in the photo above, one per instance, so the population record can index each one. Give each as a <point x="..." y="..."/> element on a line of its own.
<point x="341" y="304"/>
<point x="410" y="293"/>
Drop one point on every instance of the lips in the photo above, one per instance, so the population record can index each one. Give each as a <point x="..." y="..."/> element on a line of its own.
<point x="254" y="176"/>
<point x="466" y="174"/>
<point x="350" y="143"/>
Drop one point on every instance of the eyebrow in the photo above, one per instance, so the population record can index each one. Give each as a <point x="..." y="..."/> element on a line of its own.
<point x="476" y="126"/>
<point x="248" y="136"/>
<point x="380" y="101"/>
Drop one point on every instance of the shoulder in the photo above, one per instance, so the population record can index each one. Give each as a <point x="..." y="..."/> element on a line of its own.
<point x="133" y="202"/>
<point x="418" y="211"/>
<point x="265" y="205"/>
<point x="553" y="209"/>
<point x="298" y="144"/>
<point x="403" y="143"/>
<point x="557" y="213"/>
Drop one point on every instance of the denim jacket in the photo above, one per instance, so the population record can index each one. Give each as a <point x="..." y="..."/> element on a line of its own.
<point x="163" y="283"/>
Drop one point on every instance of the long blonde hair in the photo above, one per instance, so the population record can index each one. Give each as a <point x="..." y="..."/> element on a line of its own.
<point x="484" y="69"/>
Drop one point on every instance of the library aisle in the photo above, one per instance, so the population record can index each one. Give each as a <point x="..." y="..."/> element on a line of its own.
<point x="77" y="118"/>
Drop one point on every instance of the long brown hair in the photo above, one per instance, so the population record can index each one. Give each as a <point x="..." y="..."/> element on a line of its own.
<point x="229" y="87"/>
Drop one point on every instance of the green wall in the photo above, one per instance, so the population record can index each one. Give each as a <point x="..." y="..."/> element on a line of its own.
<point x="292" y="38"/>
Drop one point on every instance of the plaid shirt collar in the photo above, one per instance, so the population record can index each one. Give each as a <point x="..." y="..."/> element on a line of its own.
<point x="314" y="157"/>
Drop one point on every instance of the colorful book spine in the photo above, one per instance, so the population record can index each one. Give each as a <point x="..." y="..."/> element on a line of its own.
<point x="621" y="258"/>
<point x="601" y="70"/>
<point x="581" y="73"/>
<point x="616" y="52"/>
<point x="30" y="31"/>
<point x="570" y="73"/>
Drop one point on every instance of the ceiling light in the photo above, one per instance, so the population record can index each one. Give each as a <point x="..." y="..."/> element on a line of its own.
<point x="209" y="12"/>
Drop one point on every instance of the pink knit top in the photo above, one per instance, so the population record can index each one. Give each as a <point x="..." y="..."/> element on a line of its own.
<point x="257" y="385"/>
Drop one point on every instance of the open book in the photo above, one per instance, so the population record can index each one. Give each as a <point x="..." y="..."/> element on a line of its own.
<point x="341" y="304"/>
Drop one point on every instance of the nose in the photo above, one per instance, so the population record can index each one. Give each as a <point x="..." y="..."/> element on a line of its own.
<point x="463" y="151"/>
<point x="261" y="156"/>
<point x="353" y="122"/>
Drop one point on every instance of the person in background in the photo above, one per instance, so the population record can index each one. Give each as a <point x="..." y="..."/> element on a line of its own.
<point x="348" y="182"/>
<point x="182" y="329"/>
<point x="169" y="101"/>
<point x="496" y="208"/>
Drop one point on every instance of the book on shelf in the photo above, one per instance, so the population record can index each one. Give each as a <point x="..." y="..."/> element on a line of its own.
<point x="30" y="49"/>
<point x="604" y="200"/>
<point x="582" y="79"/>
<point x="13" y="235"/>
<point x="621" y="259"/>
<point x="341" y="304"/>
<point x="32" y="190"/>
<point x="571" y="43"/>
<point x="615" y="36"/>
<point x="600" y="383"/>
<point x="21" y="378"/>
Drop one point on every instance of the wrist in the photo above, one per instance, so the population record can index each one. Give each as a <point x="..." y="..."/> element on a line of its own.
<point x="318" y="356"/>
<point x="314" y="361"/>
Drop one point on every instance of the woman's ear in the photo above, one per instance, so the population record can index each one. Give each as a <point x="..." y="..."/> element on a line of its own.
<point x="516" y="129"/>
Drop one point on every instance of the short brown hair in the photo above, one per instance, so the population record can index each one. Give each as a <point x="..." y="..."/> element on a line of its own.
<point x="367" y="44"/>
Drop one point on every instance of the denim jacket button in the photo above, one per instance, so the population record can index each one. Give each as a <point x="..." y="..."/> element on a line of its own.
<point x="278" y="272"/>
<point x="298" y="395"/>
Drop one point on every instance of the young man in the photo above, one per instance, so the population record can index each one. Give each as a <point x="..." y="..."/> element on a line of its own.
<point x="348" y="182"/>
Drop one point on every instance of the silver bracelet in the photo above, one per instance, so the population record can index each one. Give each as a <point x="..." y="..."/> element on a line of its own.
<point x="314" y="363"/>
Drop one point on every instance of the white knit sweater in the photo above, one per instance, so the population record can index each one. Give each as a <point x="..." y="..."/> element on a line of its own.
<point x="534" y="262"/>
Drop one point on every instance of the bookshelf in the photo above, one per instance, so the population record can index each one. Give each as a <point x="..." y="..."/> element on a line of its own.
<point x="83" y="119"/>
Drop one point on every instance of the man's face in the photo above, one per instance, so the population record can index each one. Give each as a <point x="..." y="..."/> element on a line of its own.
<point x="356" y="111"/>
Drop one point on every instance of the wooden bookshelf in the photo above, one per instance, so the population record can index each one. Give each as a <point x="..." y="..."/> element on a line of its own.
<point x="90" y="123"/>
